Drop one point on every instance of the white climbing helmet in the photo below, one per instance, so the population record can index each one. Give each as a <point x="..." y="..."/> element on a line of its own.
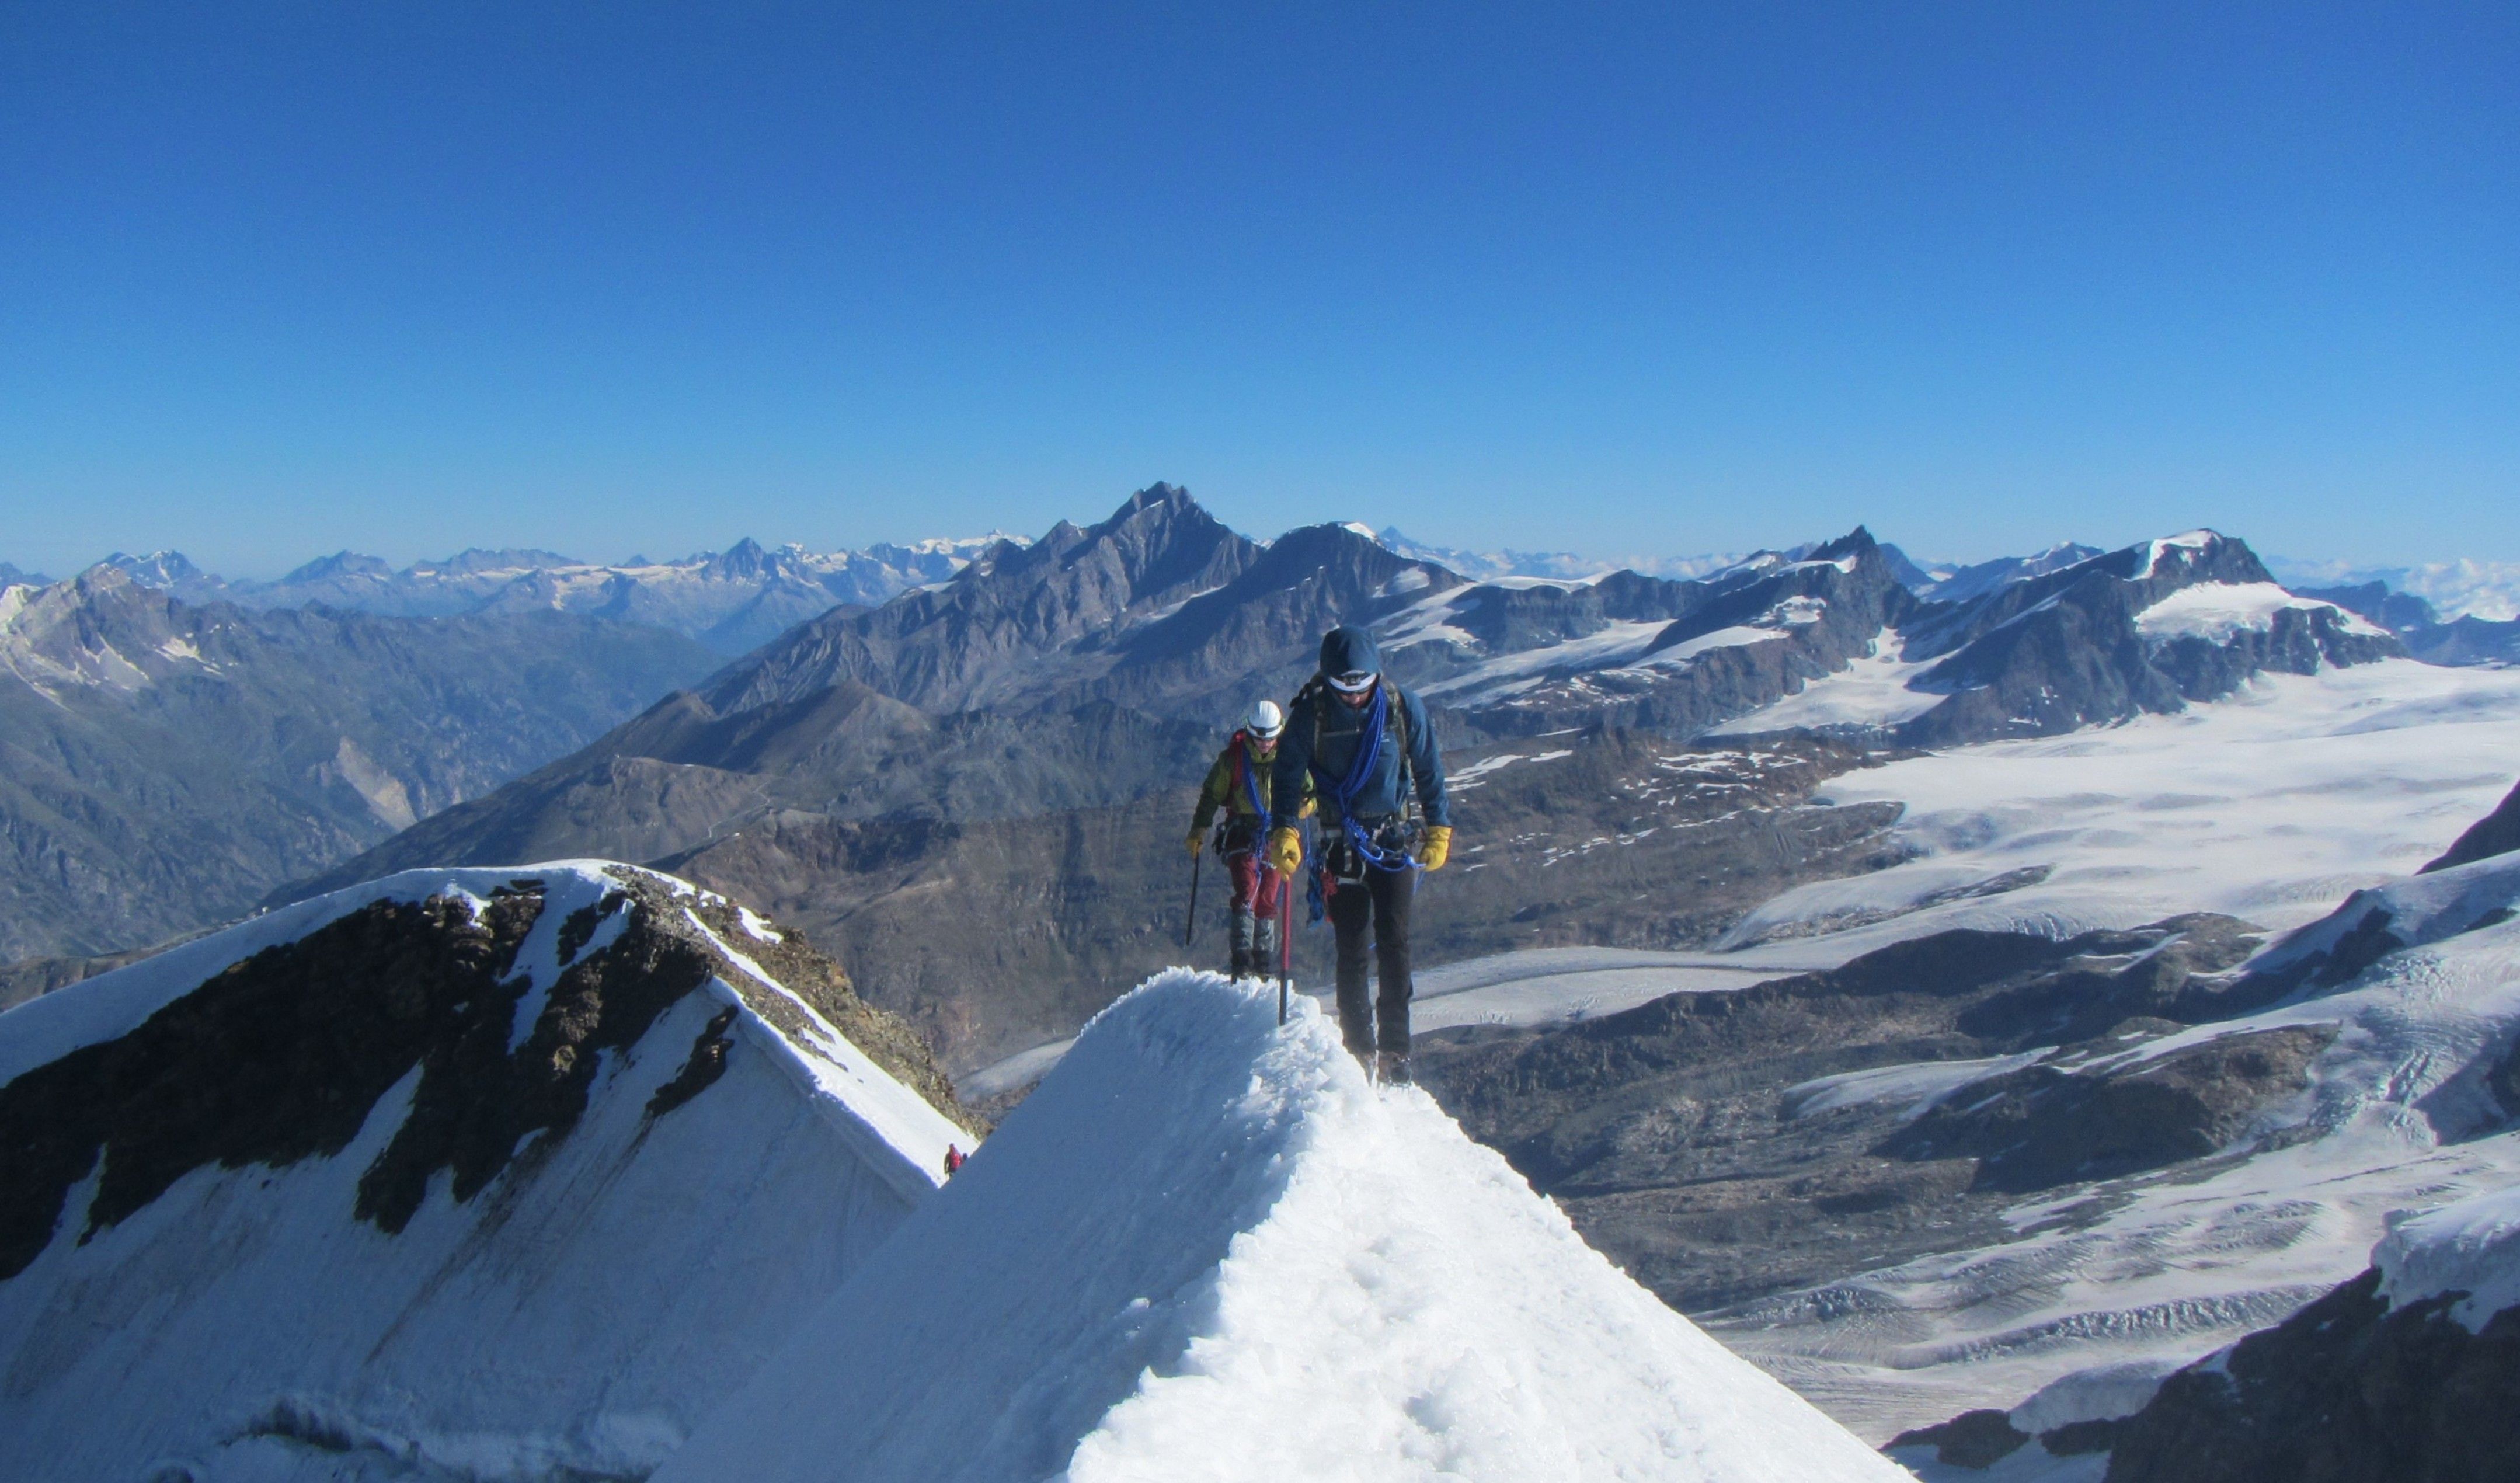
<point x="1266" y="719"/>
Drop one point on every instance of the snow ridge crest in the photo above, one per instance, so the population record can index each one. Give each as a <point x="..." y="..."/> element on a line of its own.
<point x="1206" y="1248"/>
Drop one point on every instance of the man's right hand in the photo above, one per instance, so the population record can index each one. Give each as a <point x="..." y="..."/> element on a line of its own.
<point x="1197" y="840"/>
<point x="1285" y="850"/>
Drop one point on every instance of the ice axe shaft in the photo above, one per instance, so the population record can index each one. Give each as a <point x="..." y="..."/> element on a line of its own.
<point x="1286" y="942"/>
<point x="1190" y="921"/>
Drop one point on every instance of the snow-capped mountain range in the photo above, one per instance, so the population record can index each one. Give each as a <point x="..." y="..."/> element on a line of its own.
<point x="731" y="599"/>
<point x="2028" y="1009"/>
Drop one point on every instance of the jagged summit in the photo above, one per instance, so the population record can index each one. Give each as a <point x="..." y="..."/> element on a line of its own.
<point x="1206" y="1249"/>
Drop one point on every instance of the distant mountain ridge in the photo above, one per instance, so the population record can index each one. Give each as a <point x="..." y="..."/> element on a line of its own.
<point x="732" y="601"/>
<point x="1026" y="719"/>
<point x="167" y="763"/>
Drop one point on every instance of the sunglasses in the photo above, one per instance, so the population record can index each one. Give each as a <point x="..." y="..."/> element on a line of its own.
<point x="1353" y="681"/>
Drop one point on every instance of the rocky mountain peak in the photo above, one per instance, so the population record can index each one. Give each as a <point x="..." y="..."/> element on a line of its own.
<point x="479" y="559"/>
<point x="342" y="563"/>
<point x="158" y="569"/>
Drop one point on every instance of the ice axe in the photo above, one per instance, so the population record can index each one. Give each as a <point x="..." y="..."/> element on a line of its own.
<point x="1286" y="942"/>
<point x="1190" y="921"/>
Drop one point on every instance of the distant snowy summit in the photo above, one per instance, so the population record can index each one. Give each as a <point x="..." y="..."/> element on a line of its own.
<point x="732" y="601"/>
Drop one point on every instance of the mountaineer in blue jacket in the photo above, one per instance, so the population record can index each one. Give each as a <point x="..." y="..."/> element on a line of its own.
<point x="1363" y="747"/>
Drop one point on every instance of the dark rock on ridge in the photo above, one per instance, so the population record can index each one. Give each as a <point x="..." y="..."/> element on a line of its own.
<point x="2496" y="833"/>
<point x="2398" y="612"/>
<point x="2344" y="1391"/>
<point x="1019" y="622"/>
<point x="281" y="1056"/>
<point x="2044" y="1126"/>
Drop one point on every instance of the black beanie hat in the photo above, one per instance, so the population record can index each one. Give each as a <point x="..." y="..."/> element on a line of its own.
<point x="1348" y="649"/>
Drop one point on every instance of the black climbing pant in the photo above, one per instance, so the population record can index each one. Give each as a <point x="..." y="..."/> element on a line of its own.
<point x="1380" y="901"/>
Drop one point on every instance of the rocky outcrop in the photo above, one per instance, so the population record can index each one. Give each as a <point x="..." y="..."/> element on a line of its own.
<point x="2046" y="1125"/>
<point x="1705" y="650"/>
<point x="504" y="1174"/>
<point x="2496" y="833"/>
<point x="282" y="1055"/>
<point x="2348" y="1390"/>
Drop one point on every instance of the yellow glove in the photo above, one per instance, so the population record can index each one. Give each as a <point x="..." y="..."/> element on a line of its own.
<point x="1285" y="851"/>
<point x="1197" y="840"/>
<point x="1311" y="807"/>
<point x="1435" y="846"/>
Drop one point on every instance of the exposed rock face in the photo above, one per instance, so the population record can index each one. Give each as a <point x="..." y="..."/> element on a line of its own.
<point x="1723" y="1145"/>
<point x="2348" y="1390"/>
<point x="281" y="1057"/>
<point x="683" y="775"/>
<point x="487" y="1174"/>
<point x="2496" y="833"/>
<point x="2042" y="1127"/>
<point x="998" y="632"/>
<point x="2464" y="640"/>
<point x="169" y="764"/>
<point x="1733" y="642"/>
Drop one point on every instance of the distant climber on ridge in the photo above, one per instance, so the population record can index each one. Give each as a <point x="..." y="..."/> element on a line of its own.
<point x="1366" y="745"/>
<point x="1240" y="784"/>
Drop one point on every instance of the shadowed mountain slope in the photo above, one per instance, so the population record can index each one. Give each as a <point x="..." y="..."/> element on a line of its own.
<point x="163" y="766"/>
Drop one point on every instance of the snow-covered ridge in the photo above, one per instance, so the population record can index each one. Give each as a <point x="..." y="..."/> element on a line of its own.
<point x="2217" y="611"/>
<point x="2471" y="1246"/>
<point x="1206" y="1250"/>
<point x="568" y="1308"/>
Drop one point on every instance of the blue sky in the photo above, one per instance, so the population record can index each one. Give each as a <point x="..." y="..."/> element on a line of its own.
<point x="281" y="279"/>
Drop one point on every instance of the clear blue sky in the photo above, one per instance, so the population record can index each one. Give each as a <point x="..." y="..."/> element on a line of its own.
<point x="281" y="279"/>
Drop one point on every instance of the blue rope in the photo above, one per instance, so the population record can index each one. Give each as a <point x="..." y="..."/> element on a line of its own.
<point x="1360" y="772"/>
<point x="1251" y="782"/>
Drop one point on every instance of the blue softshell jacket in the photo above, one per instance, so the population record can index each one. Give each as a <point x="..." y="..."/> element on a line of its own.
<point x="1315" y="713"/>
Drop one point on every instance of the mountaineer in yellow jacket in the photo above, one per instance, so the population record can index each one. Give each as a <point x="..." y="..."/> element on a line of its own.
<point x="1240" y="785"/>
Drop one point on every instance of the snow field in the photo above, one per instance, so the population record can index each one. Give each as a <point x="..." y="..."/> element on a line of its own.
<point x="2271" y="806"/>
<point x="1206" y="1249"/>
<point x="1871" y="690"/>
<point x="2216" y="612"/>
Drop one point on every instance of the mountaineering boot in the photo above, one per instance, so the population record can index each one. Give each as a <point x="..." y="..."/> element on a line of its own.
<point x="1391" y="1068"/>
<point x="1246" y="959"/>
<point x="1264" y="946"/>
